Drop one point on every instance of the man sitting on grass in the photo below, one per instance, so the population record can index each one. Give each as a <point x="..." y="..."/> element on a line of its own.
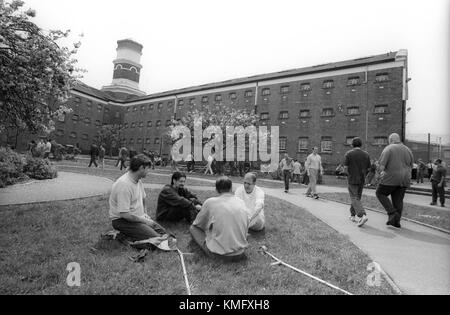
<point x="176" y="203"/>
<point x="127" y="203"/>
<point x="220" y="228"/>
<point x="253" y="197"/>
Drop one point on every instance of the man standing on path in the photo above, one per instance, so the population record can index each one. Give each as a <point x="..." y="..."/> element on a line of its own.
<point x="356" y="165"/>
<point x="396" y="162"/>
<point x="101" y="156"/>
<point x="127" y="209"/>
<point x="287" y="166"/>
<point x="438" y="183"/>
<point x="313" y="166"/>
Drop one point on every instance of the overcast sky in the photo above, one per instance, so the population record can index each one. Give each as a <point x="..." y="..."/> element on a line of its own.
<point x="193" y="42"/>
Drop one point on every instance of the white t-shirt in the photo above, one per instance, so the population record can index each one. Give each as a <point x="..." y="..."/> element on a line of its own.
<point x="225" y="222"/>
<point x="254" y="202"/>
<point x="297" y="168"/>
<point x="126" y="197"/>
<point x="313" y="161"/>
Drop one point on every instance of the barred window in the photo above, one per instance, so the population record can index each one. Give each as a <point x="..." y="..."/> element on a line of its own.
<point x="283" y="143"/>
<point x="305" y="87"/>
<point x="205" y="99"/>
<point x="147" y="141"/>
<point x="75" y="117"/>
<point x="305" y="113"/>
<point x="284" y="89"/>
<point x="284" y="115"/>
<point x="381" y="141"/>
<point x="264" y="116"/>
<point x="232" y="95"/>
<point x="382" y="77"/>
<point x="150" y="107"/>
<point x="303" y="144"/>
<point x="142" y="108"/>
<point x="180" y="103"/>
<point x="327" y="112"/>
<point x="149" y="123"/>
<point x="248" y="93"/>
<point x="141" y="124"/>
<point x="381" y="109"/>
<point x="353" y="81"/>
<point x="218" y="98"/>
<point x="156" y="141"/>
<point x="328" y="84"/>
<point x="125" y="125"/>
<point x="265" y="91"/>
<point x="353" y="110"/>
<point x="326" y="145"/>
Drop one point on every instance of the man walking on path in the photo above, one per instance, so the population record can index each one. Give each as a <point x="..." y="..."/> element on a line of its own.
<point x="313" y="166"/>
<point x="94" y="152"/>
<point x="101" y="156"/>
<point x="123" y="153"/>
<point x="297" y="171"/>
<point x="421" y="170"/>
<point x="127" y="209"/>
<point x="287" y="166"/>
<point x="356" y="165"/>
<point x="396" y="162"/>
<point x="438" y="183"/>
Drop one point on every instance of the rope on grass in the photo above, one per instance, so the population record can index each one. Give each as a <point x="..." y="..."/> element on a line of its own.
<point x="280" y="262"/>
<point x="184" y="272"/>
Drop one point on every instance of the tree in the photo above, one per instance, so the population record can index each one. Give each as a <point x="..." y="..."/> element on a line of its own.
<point x="36" y="73"/>
<point x="109" y="135"/>
<point x="222" y="116"/>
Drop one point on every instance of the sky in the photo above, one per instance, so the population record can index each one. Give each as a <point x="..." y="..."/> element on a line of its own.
<point x="192" y="42"/>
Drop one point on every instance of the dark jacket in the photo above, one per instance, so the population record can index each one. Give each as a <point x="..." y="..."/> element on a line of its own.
<point x="94" y="150"/>
<point x="170" y="200"/>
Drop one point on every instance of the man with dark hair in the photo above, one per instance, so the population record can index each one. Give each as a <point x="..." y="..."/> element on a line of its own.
<point x="438" y="183"/>
<point x="93" y="152"/>
<point x="127" y="203"/>
<point x="220" y="228"/>
<point x="313" y="167"/>
<point x="287" y="166"/>
<point x="396" y="162"/>
<point x="175" y="202"/>
<point x="356" y="165"/>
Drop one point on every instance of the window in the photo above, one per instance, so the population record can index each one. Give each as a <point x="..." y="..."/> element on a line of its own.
<point x="180" y="103"/>
<point x="60" y="132"/>
<point x="381" y="77"/>
<point x="128" y="109"/>
<point x="354" y="110"/>
<point x="353" y="81"/>
<point x="85" y="136"/>
<point x="150" y="107"/>
<point x="73" y="135"/>
<point x="327" y="112"/>
<point x="284" y="115"/>
<point x="107" y="110"/>
<point x="134" y="108"/>
<point x="381" y="109"/>
<point x="156" y="141"/>
<point x="99" y="107"/>
<point x="159" y="106"/>
<point x="61" y="117"/>
<point x="328" y="84"/>
<point x="168" y="122"/>
<point x="192" y="101"/>
<point x="75" y="117"/>
<point x="305" y="113"/>
<point x="141" y="124"/>
<point x="142" y="108"/>
<point x="89" y="104"/>
<point x="125" y="125"/>
<point x="265" y="92"/>
<point x="264" y="116"/>
<point x="283" y="143"/>
<point x="98" y="123"/>
<point x="117" y="115"/>
<point x="139" y="140"/>
<point x="326" y="145"/>
<point x="305" y="87"/>
<point x="131" y="141"/>
<point x="381" y="141"/>
<point x="285" y="89"/>
<point x="133" y="125"/>
<point x="218" y="98"/>
<point x="349" y="140"/>
<point x="149" y="124"/>
<point x="205" y="99"/>
<point x="77" y="100"/>
<point x="248" y="93"/>
<point x="158" y="124"/>
<point x="169" y="106"/>
<point x="147" y="141"/>
<point x="303" y="144"/>
<point x="232" y="96"/>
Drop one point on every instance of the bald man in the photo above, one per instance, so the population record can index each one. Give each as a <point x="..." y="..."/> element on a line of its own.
<point x="253" y="197"/>
<point x="396" y="162"/>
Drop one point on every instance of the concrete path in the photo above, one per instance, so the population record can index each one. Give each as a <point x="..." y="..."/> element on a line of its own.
<point x="66" y="186"/>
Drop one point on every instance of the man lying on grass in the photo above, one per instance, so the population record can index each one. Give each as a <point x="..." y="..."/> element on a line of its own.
<point x="127" y="203"/>
<point x="220" y="228"/>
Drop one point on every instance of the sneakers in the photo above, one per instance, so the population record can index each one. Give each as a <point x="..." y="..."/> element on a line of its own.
<point x="362" y="220"/>
<point x="316" y="196"/>
<point x="433" y="204"/>
<point x="394" y="221"/>
<point x="309" y="195"/>
<point x="352" y="218"/>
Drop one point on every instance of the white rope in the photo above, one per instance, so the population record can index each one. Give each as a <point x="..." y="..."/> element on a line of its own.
<point x="184" y="272"/>
<point x="278" y="262"/>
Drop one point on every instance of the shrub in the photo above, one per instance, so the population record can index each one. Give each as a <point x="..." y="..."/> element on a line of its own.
<point x="11" y="167"/>
<point x="38" y="168"/>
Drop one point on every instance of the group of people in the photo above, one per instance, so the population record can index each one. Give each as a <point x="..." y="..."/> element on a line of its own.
<point x="41" y="148"/>
<point x="97" y="152"/>
<point x="218" y="225"/>
<point x="125" y="153"/>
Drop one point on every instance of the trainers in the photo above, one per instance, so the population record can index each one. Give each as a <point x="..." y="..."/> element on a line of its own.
<point x="309" y="195"/>
<point x="352" y="218"/>
<point x="316" y="196"/>
<point x="362" y="220"/>
<point x="433" y="204"/>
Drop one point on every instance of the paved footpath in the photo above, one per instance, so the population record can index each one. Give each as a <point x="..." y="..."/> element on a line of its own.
<point x="417" y="258"/>
<point x="66" y="186"/>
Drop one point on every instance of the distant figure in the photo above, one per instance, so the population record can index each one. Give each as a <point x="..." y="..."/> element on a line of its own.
<point x="93" y="152"/>
<point x="396" y="162"/>
<point x="127" y="209"/>
<point x="313" y="167"/>
<point x="371" y="174"/>
<point x="47" y="149"/>
<point x="123" y="154"/>
<point x="430" y="170"/>
<point x="421" y="170"/>
<point x="40" y="147"/>
<point x="356" y="165"/>
<point x="287" y="166"/>
<point x="175" y="202"/>
<point x="132" y="153"/>
<point x="438" y="183"/>
<point x="209" y="160"/>
<point x="101" y="155"/>
<point x="339" y="172"/>
<point x="220" y="228"/>
<point x="32" y="148"/>
<point x="297" y="171"/>
<point x="190" y="163"/>
<point x="253" y="197"/>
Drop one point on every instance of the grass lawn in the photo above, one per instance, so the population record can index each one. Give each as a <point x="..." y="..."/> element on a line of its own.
<point x="38" y="241"/>
<point x="428" y="215"/>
